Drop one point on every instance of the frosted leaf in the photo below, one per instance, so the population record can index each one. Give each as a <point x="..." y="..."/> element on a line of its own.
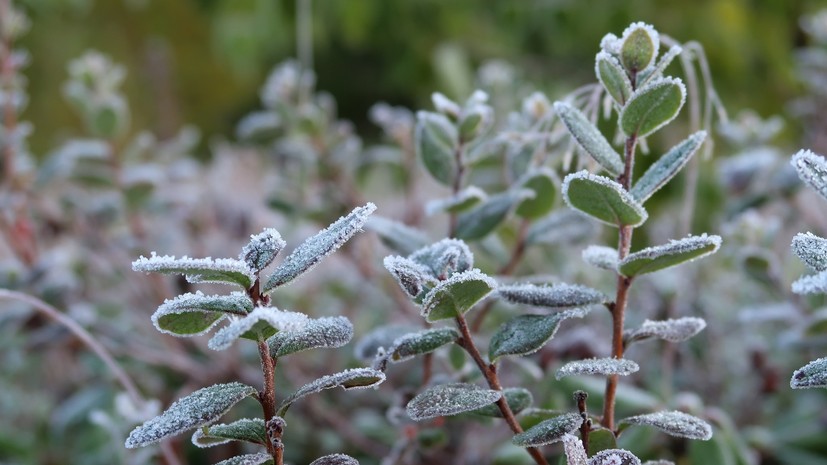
<point x="667" y="166"/>
<point x="314" y="249"/>
<point x="200" y="408"/>
<point x="382" y="337"/>
<point x="353" y="378"/>
<point x="518" y="399"/>
<point x="246" y="429"/>
<point x="335" y="459"/>
<point x="449" y="399"/>
<point x="258" y="126"/>
<point x="811" y="249"/>
<point x="526" y="334"/>
<point x="639" y="46"/>
<point x="601" y="256"/>
<point x="614" y="457"/>
<point x="652" y="106"/>
<point x="445" y="257"/>
<point x="411" y="276"/>
<point x="813" y="374"/>
<point x="549" y="431"/>
<point x="812" y="169"/>
<point x="575" y="452"/>
<point x="561" y="227"/>
<point x="554" y="296"/>
<point x="658" y="462"/>
<point x="456" y="295"/>
<point x="422" y="342"/>
<point x="663" y="256"/>
<point x="590" y="139"/>
<point x="813" y="284"/>
<point x="657" y="71"/>
<point x="463" y="200"/>
<point x="611" y="74"/>
<point x="445" y="105"/>
<point x="262" y="249"/>
<point x="602" y="199"/>
<point x="598" y="366"/>
<point x="193" y="314"/>
<point x="672" y="330"/>
<point x="436" y="138"/>
<point x="483" y="218"/>
<point x="674" y="423"/>
<point x="328" y="332"/>
<point x="199" y="270"/>
<point x="260" y="324"/>
<point x="399" y="237"/>
<point x="248" y="459"/>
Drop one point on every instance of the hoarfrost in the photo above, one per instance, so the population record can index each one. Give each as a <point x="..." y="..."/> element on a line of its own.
<point x="667" y="166"/>
<point x="813" y="374"/>
<point x="590" y="139"/>
<point x="262" y="249"/>
<point x="598" y="366"/>
<point x="278" y="319"/>
<point x="328" y="332"/>
<point x="460" y="292"/>
<point x="427" y="340"/>
<point x="198" y="270"/>
<point x="650" y="31"/>
<point x="526" y="334"/>
<point x="198" y="313"/>
<point x="248" y="459"/>
<point x="672" y="330"/>
<point x="812" y="169"/>
<point x="811" y="249"/>
<point x="380" y="338"/>
<point x="601" y="256"/>
<point x="554" y="296"/>
<point x="663" y="256"/>
<point x="450" y="399"/>
<point x="246" y="429"/>
<point x="813" y="284"/>
<point x="335" y="459"/>
<point x="614" y="457"/>
<point x="439" y="255"/>
<point x="410" y="275"/>
<point x="674" y="423"/>
<point x="353" y="378"/>
<point x="623" y="196"/>
<point x="549" y="431"/>
<point x="575" y="452"/>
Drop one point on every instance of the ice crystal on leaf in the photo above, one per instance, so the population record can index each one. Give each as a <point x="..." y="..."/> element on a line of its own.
<point x="598" y="366"/>
<point x="811" y="249"/>
<point x="553" y="296"/>
<point x="193" y="314"/>
<point x="422" y="342"/>
<point x="354" y="378"/>
<point x="672" y="330"/>
<point x="813" y="284"/>
<point x="450" y="399"/>
<point x="668" y="255"/>
<point x="445" y="257"/>
<point x="411" y="276"/>
<point x="549" y="431"/>
<point x="812" y="169"/>
<point x="674" y="423"/>
<point x="261" y="323"/>
<point x="614" y="457"/>
<point x="248" y="459"/>
<point x="246" y="429"/>
<point x="526" y="334"/>
<point x="575" y="452"/>
<point x="328" y="332"/>
<point x="601" y="256"/>
<point x="335" y="459"/>
<point x="814" y="374"/>
<point x="456" y="295"/>
<point x="199" y="270"/>
<point x="262" y="249"/>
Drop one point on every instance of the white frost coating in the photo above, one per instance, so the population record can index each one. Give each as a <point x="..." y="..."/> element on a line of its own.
<point x="813" y="284"/>
<point x="335" y="459"/>
<point x="328" y="332"/>
<point x="554" y="296"/>
<point x="549" y="431"/>
<point x="598" y="366"/>
<point x="675" y="248"/>
<point x="590" y="139"/>
<point x="813" y="374"/>
<point x="672" y="330"/>
<point x="466" y="195"/>
<point x="614" y="62"/>
<point x="614" y="457"/>
<point x="314" y="249"/>
<point x="651" y="86"/>
<point x="352" y="378"/>
<point x="410" y="275"/>
<point x="674" y="423"/>
<point x="197" y="270"/>
<point x="436" y="256"/>
<point x="407" y="346"/>
<point x="667" y="166"/>
<point x="664" y="61"/>
<point x="450" y="399"/>
<point x="625" y="196"/>
<point x="812" y="169"/>
<point x="653" y="34"/>
<point x="436" y="295"/>
<point x="248" y="459"/>
<point x="610" y="43"/>
<point x="278" y="319"/>
<point x="811" y="249"/>
<point x="245" y="429"/>
<point x="262" y="249"/>
<point x="235" y="303"/>
<point x="601" y="256"/>
<point x="445" y="105"/>
<point x="575" y="452"/>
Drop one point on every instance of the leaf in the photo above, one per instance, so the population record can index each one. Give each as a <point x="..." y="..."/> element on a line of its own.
<point x="590" y="138"/>
<point x="456" y="295"/>
<point x="328" y="332"/>
<point x="657" y="71"/>
<point x="200" y="408"/>
<point x="422" y="342"/>
<point x="598" y="366"/>
<point x="533" y="416"/>
<point x="526" y="334"/>
<point x="614" y="457"/>
<point x="397" y="236"/>
<point x="193" y="314"/>
<point x="436" y="140"/>
<point x="262" y="249"/>
<point x="613" y="77"/>
<point x="674" y="423"/>
<point x="335" y="459"/>
<point x="353" y="378"/>
<point x="259" y="325"/>
<point x="411" y="276"/>
<point x="667" y="166"/>
<point x="490" y="213"/>
<point x="575" y="452"/>
<point x="639" y="47"/>
<point x="812" y="169"/>
<point x="518" y="399"/>
<point x="382" y="337"/>
<point x="561" y="227"/>
<point x="549" y="431"/>
<point x="449" y="399"/>
<point x="554" y="296"/>
<point x="811" y="249"/>
<point x="814" y="284"/>
<point x="541" y="182"/>
<point x="246" y="429"/>
<point x="602" y="198"/>
<point x="601" y="256"/>
<point x="672" y="330"/>
<point x="199" y="270"/>
<point x="813" y="374"/>
<point x="664" y="256"/>
<point x="652" y="107"/>
<point x="445" y="257"/>
<point x="248" y="459"/>
<point x="314" y="249"/>
<point x="601" y="439"/>
<point x="461" y="201"/>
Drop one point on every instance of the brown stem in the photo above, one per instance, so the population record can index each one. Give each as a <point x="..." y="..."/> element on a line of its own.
<point x="267" y="396"/>
<point x="585" y="428"/>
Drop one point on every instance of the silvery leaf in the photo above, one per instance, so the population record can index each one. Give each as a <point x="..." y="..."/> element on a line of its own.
<point x="193" y="314"/>
<point x="674" y="423"/>
<point x="811" y="249"/>
<point x="199" y="270"/>
<point x="246" y="429"/>
<point x="456" y="295"/>
<point x="813" y="284"/>
<point x="327" y="332"/>
<point x="422" y="342"/>
<point x="614" y="457"/>
<point x="575" y="452"/>
<point x="445" y="257"/>
<point x="249" y="459"/>
<point x="590" y="139"/>
<point x="354" y="378"/>
<point x="598" y="366"/>
<point x="553" y="296"/>
<point x="668" y="255"/>
<point x="672" y="330"/>
<point x="518" y="399"/>
<point x="603" y="199"/>
<point x="526" y="334"/>
<point x="812" y="169"/>
<point x="549" y="431"/>
<point x="411" y="276"/>
<point x="813" y="374"/>
<point x="601" y="256"/>
<point x="381" y="338"/>
<point x="667" y="166"/>
<point x="449" y="399"/>
<point x="335" y="459"/>
<point x="260" y="324"/>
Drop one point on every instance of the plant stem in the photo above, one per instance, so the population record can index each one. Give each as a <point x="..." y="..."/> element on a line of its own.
<point x="267" y="396"/>
<point x="457" y="186"/>
<point x="489" y="371"/>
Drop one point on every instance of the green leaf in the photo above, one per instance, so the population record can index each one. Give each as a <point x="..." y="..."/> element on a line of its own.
<point x="656" y="71"/>
<point x="262" y="249"/>
<point x="248" y="459"/>
<point x="652" y="107"/>
<point x="422" y="342"/>
<point x="456" y="295"/>
<point x="397" y="236"/>
<point x="313" y="250"/>
<point x="812" y="169"/>
<point x="533" y="416"/>
<point x="490" y="213"/>
<point x="449" y="399"/>
<point x="260" y="324"/>
<point x="335" y="459"/>
<point x="436" y="142"/>
<point x="354" y="378"/>
<point x="811" y="249"/>
<point x="549" y="431"/>
<point x="667" y="166"/>
<point x="601" y="439"/>
<point x="598" y="366"/>
<point x="194" y="314"/>
<point x="672" y="330"/>
<point x="200" y="408"/>
<point x="590" y="138"/>
<point x="246" y="429"/>
<point x="554" y="296"/>
<point x="199" y="270"/>
<point x="526" y="334"/>
<point x="664" y="256"/>
<point x="461" y="201"/>
<point x="518" y="399"/>
<point x="328" y="332"/>
<point x="614" y="79"/>
<point x="674" y="423"/>
<point x="603" y="199"/>
<point x="813" y="374"/>
<point x="445" y="257"/>
<point x="639" y="47"/>
<point x="541" y="182"/>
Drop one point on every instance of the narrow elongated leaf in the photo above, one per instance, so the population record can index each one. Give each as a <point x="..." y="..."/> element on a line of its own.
<point x="549" y="431"/>
<point x="541" y="182"/>
<point x="463" y="200"/>
<point x="667" y="166"/>
<point x="602" y="198"/>
<point x="400" y="237"/>
<point x="314" y="249"/>
<point x="436" y="141"/>
<point x="526" y="334"/>
<point x="262" y="249"/>
<point x="610" y="73"/>
<point x="488" y="214"/>
<point x="561" y="227"/>
<point x="674" y="423"/>
<point x="590" y="138"/>
<point x="200" y="408"/>
<point x="598" y="366"/>
<point x="354" y="378"/>
<point x="456" y="295"/>
<point x="811" y="249"/>
<point x="328" y="332"/>
<point x="193" y="314"/>
<point x="518" y="399"/>
<point x="657" y="71"/>
<point x="445" y="257"/>
<point x="248" y="459"/>
<point x="259" y="325"/>
<point x="812" y="169"/>
<point x="199" y="270"/>
<point x="411" y="276"/>
<point x="554" y="296"/>
<point x="813" y="374"/>
<point x="449" y="399"/>
<point x="601" y="256"/>
<point x="246" y="429"/>
<point x="614" y="457"/>
<point x="335" y="459"/>
<point x="814" y="284"/>
<point x="575" y="452"/>
<point x="422" y="342"/>
<point x="639" y="46"/>
<point x="382" y="337"/>
<point x="664" y="256"/>
<point x="653" y="106"/>
<point x="672" y="330"/>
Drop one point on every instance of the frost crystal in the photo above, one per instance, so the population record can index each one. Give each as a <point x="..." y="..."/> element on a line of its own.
<point x="457" y="294"/>
<point x="614" y="457"/>
<point x="650" y="31"/>
<point x="273" y="317"/>
<point x="603" y="199"/>
<point x="410" y="275"/>
<point x="526" y="334"/>
<point x="249" y="459"/>
<point x="549" y="431"/>
<point x="813" y="284"/>
<point x="198" y="270"/>
<point x="575" y="452"/>
<point x="427" y="340"/>
<point x="812" y="169"/>
<point x="675" y="252"/>
<point x="554" y="296"/>
<point x="814" y="374"/>
<point x="445" y="257"/>
<point x="674" y="423"/>
<point x="601" y="256"/>
<point x="379" y="339"/>
<point x="335" y="459"/>
<point x="598" y="366"/>
<point x="672" y="330"/>
<point x="353" y="378"/>
<point x="450" y="399"/>
<point x="193" y="314"/>
<point x="262" y="249"/>
<point x="246" y="429"/>
<point x="811" y="249"/>
<point x="329" y="332"/>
